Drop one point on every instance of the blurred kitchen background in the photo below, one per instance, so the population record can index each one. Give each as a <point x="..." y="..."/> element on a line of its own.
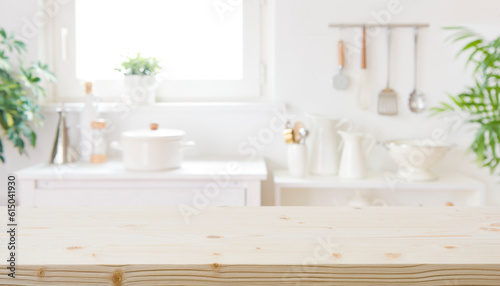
<point x="302" y="59"/>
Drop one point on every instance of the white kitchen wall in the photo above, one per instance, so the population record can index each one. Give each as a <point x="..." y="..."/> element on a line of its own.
<point x="305" y="59"/>
<point x="15" y="16"/>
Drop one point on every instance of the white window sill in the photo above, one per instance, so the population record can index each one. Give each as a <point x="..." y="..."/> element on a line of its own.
<point x="108" y="107"/>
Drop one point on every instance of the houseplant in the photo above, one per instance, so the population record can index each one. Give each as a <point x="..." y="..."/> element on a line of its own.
<point x="140" y="79"/>
<point x="20" y="87"/>
<point x="481" y="101"/>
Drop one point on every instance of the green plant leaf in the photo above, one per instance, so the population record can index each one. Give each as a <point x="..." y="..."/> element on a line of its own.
<point x="454" y="28"/>
<point x="33" y="138"/>
<point x="463" y="36"/>
<point x="472" y="44"/>
<point x="480" y="102"/>
<point x="140" y="66"/>
<point x="9" y="119"/>
<point x="20" y="46"/>
<point x="20" y="85"/>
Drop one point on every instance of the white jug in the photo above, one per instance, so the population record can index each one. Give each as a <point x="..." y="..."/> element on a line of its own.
<point x="325" y="144"/>
<point x="352" y="163"/>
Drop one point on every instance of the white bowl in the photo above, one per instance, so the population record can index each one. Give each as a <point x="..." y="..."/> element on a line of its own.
<point x="416" y="156"/>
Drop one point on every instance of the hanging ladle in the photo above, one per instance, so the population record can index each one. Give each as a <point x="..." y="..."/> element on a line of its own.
<point x="416" y="101"/>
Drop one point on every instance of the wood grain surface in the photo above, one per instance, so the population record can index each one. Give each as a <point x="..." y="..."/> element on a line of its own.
<point x="255" y="246"/>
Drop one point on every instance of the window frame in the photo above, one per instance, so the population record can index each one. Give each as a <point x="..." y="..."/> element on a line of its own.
<point x="253" y="88"/>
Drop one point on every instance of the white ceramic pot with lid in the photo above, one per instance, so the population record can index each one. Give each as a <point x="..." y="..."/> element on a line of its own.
<point x="152" y="149"/>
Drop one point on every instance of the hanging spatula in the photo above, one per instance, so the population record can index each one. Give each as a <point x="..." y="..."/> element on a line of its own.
<point x="363" y="92"/>
<point x="387" y="98"/>
<point x="341" y="81"/>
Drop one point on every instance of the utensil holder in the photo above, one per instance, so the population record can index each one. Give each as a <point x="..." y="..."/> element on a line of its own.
<point x="297" y="159"/>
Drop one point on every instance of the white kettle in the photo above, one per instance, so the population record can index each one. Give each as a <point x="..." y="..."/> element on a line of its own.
<point x="353" y="162"/>
<point x="325" y="144"/>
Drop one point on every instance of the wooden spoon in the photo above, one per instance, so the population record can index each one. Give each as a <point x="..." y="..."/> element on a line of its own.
<point x="296" y="131"/>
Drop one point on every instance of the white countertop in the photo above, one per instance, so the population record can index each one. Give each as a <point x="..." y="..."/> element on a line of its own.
<point x="446" y="181"/>
<point x="114" y="170"/>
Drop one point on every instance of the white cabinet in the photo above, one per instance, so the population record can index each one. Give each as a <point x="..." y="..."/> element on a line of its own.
<point x="197" y="184"/>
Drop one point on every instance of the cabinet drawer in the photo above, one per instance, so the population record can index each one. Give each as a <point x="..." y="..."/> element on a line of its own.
<point x="136" y="184"/>
<point x="140" y="197"/>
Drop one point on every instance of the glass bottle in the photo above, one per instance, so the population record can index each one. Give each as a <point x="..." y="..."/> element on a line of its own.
<point x="87" y="116"/>
<point x="99" y="145"/>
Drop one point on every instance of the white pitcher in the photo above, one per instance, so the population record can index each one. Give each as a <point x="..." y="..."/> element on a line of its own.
<point x="353" y="162"/>
<point x="325" y="144"/>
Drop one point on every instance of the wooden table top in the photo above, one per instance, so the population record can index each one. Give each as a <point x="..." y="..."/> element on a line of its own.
<point x="255" y="245"/>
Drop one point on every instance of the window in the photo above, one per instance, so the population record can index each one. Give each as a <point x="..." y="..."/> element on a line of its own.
<point x="209" y="49"/>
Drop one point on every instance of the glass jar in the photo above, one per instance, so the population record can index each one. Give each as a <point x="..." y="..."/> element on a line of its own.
<point x="99" y="145"/>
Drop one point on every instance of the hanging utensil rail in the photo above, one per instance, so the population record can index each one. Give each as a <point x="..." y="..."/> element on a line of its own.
<point x="360" y="25"/>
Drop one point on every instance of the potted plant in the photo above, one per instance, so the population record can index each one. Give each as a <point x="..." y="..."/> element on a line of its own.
<point x="20" y="87"/>
<point x="140" y="79"/>
<point x="481" y="101"/>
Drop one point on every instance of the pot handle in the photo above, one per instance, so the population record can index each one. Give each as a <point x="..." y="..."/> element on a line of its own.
<point x="188" y="145"/>
<point x="116" y="145"/>
<point x="347" y="122"/>
<point x="349" y="128"/>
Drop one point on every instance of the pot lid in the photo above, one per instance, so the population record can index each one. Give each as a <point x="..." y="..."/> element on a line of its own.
<point x="154" y="133"/>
